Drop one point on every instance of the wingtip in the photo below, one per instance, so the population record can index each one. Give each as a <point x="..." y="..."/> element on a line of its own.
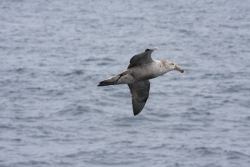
<point x="154" y="48"/>
<point x="151" y="49"/>
<point x="137" y="112"/>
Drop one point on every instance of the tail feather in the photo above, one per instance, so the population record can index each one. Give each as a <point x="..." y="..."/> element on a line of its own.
<point x="105" y="83"/>
<point x="111" y="81"/>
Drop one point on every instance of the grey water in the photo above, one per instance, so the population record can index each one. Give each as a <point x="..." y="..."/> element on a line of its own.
<point x="54" y="53"/>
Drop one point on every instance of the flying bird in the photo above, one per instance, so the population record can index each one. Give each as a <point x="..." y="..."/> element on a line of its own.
<point x="141" y="68"/>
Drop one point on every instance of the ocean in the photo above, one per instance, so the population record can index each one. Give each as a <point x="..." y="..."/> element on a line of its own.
<point x="54" y="54"/>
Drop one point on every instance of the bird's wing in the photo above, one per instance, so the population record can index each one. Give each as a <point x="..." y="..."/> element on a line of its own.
<point x="141" y="58"/>
<point x="140" y="93"/>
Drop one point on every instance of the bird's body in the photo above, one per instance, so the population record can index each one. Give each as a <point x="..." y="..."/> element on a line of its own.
<point x="142" y="72"/>
<point x="141" y="68"/>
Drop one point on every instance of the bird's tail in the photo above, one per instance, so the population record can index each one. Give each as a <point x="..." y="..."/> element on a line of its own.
<point x="111" y="81"/>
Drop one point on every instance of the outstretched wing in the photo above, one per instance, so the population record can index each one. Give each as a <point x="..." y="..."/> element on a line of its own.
<point x="141" y="58"/>
<point x="140" y="93"/>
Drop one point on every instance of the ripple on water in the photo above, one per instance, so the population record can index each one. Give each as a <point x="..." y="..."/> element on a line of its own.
<point x="74" y="111"/>
<point x="53" y="55"/>
<point x="231" y="155"/>
<point x="74" y="73"/>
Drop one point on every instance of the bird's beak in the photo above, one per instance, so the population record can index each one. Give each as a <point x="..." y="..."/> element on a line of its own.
<point x="179" y="69"/>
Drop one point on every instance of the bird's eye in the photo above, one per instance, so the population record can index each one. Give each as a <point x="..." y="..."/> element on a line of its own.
<point x="172" y="63"/>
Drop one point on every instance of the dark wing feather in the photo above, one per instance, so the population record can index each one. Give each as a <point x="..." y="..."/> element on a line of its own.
<point x="140" y="93"/>
<point x="141" y="58"/>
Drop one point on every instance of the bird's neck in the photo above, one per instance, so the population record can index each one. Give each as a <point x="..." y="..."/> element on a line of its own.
<point x="160" y="67"/>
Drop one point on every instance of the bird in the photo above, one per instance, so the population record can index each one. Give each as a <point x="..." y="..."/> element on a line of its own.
<point x="141" y="69"/>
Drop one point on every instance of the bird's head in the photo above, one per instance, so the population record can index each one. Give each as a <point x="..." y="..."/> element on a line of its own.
<point x="172" y="66"/>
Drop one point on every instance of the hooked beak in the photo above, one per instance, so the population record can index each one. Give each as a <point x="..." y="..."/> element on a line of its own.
<point x="179" y="69"/>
